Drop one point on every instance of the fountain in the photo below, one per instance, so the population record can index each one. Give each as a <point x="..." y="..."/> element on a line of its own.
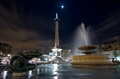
<point x="90" y="60"/>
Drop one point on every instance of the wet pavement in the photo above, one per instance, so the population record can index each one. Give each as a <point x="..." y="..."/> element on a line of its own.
<point x="66" y="71"/>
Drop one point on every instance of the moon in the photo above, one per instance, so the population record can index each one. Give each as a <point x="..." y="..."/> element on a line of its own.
<point x="62" y="6"/>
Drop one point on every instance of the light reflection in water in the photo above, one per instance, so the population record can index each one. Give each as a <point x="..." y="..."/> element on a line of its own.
<point x="45" y="70"/>
<point x="29" y="74"/>
<point x="55" y="68"/>
<point x="38" y="71"/>
<point x="42" y="70"/>
<point x="56" y="77"/>
<point x="57" y="71"/>
<point x="5" y="74"/>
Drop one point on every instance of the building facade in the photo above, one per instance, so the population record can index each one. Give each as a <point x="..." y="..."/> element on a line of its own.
<point x="5" y="49"/>
<point x="112" y="49"/>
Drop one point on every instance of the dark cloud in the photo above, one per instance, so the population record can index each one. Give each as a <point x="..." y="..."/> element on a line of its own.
<point x="22" y="39"/>
<point x="109" y="28"/>
<point x="25" y="31"/>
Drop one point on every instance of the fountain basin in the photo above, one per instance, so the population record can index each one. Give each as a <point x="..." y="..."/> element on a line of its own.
<point x="92" y="61"/>
<point x="88" y="47"/>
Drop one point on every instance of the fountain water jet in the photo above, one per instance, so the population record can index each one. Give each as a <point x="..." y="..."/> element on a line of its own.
<point x="88" y="60"/>
<point x="83" y="36"/>
<point x="84" y="33"/>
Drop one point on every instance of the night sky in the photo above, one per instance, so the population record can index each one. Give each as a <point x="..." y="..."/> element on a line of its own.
<point x="29" y="24"/>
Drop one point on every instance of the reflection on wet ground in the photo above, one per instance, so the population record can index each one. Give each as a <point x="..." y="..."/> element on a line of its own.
<point x="66" y="71"/>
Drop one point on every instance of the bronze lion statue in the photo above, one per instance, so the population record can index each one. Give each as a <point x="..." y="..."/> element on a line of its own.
<point x="19" y="62"/>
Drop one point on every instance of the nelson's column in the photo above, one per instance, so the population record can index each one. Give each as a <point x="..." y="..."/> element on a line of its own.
<point x="56" y="49"/>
